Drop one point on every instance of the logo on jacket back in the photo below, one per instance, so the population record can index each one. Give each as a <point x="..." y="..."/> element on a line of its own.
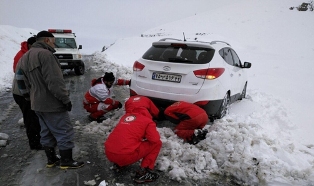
<point x="129" y="118"/>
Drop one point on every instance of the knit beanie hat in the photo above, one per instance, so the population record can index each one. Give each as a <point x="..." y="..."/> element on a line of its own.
<point x="44" y="33"/>
<point x="31" y="40"/>
<point x="109" y="76"/>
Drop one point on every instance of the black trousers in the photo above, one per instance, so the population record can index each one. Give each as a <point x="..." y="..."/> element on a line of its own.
<point x="31" y="122"/>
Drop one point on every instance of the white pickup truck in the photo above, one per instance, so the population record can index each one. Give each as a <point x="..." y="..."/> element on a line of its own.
<point x="67" y="50"/>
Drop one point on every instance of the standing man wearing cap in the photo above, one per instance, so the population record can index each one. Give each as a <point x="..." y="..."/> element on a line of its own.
<point x="98" y="99"/>
<point x="31" y="122"/>
<point x="39" y="77"/>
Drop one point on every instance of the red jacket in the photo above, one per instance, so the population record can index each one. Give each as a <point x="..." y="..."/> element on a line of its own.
<point x="182" y="111"/>
<point x="24" y="49"/>
<point x="131" y="130"/>
<point x="141" y="101"/>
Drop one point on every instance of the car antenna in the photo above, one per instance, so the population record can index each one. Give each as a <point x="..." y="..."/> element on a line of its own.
<point x="184" y="36"/>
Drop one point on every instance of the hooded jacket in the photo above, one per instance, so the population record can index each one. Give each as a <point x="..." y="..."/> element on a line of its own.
<point x="181" y="110"/>
<point x="44" y="79"/>
<point x="100" y="93"/>
<point x="141" y="101"/>
<point x="130" y="132"/>
<point x="24" y="49"/>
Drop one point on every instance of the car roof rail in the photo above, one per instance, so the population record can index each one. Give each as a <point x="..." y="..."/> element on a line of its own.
<point x="203" y="42"/>
<point x="164" y="39"/>
<point x="214" y="42"/>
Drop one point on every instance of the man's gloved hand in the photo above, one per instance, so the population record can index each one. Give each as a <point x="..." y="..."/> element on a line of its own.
<point x="68" y="106"/>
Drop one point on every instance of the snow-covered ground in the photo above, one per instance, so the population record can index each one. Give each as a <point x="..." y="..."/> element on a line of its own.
<point x="265" y="139"/>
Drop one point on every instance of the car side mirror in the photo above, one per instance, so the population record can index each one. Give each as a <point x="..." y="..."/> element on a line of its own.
<point x="247" y="65"/>
<point x="80" y="47"/>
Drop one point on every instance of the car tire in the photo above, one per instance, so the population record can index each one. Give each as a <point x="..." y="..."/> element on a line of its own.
<point x="243" y="94"/>
<point x="79" y="70"/>
<point x="223" y="110"/>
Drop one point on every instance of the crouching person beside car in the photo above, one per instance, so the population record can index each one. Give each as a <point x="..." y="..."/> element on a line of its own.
<point x="190" y="120"/>
<point x="135" y="138"/>
<point x="98" y="99"/>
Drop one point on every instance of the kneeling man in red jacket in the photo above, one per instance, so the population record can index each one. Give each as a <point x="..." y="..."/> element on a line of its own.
<point x="190" y="120"/>
<point x="135" y="138"/>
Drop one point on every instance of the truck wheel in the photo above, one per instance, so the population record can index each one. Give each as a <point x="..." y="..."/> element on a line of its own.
<point x="79" y="70"/>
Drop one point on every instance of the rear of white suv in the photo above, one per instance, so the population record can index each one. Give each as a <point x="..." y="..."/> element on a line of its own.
<point x="208" y="74"/>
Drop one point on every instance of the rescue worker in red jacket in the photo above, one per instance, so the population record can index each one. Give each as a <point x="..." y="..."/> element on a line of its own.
<point x="98" y="99"/>
<point x="31" y="121"/>
<point x="135" y="137"/>
<point x="190" y="120"/>
<point x="25" y="46"/>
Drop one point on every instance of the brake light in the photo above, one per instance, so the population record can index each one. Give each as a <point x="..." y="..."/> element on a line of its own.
<point x="137" y="66"/>
<point x="209" y="73"/>
<point x="179" y="45"/>
<point x="59" y="31"/>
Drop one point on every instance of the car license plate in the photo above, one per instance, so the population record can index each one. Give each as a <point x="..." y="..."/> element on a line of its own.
<point x="166" y="77"/>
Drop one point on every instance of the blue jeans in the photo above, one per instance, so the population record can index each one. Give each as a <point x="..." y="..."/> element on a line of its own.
<point x="56" y="129"/>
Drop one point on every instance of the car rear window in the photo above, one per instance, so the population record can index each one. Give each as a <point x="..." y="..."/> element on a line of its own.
<point x="179" y="54"/>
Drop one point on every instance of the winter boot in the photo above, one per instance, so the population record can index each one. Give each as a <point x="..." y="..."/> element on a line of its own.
<point x="117" y="169"/>
<point x="198" y="136"/>
<point x="101" y="119"/>
<point x="145" y="175"/>
<point x="53" y="159"/>
<point x="67" y="162"/>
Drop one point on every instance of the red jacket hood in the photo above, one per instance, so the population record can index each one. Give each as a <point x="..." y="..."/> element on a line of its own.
<point x="143" y="111"/>
<point x="24" y="49"/>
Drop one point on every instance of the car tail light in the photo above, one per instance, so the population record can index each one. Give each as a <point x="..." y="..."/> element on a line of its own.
<point x="178" y="45"/>
<point x="59" y="31"/>
<point x="209" y="73"/>
<point x="201" y="103"/>
<point x="137" y="66"/>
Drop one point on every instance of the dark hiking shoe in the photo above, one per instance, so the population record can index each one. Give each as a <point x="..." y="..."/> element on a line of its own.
<point x="71" y="164"/>
<point x="67" y="162"/>
<point x="52" y="163"/>
<point x="117" y="169"/>
<point x="53" y="159"/>
<point x="198" y="136"/>
<point x="145" y="175"/>
<point x="202" y="134"/>
<point x="99" y="119"/>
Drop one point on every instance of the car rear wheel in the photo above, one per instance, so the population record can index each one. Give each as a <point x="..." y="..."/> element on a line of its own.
<point x="224" y="106"/>
<point x="243" y="94"/>
<point x="79" y="70"/>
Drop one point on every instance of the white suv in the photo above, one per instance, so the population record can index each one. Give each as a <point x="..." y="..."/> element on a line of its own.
<point x="208" y="74"/>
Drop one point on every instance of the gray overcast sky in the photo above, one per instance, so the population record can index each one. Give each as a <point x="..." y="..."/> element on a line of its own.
<point x="97" y="22"/>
